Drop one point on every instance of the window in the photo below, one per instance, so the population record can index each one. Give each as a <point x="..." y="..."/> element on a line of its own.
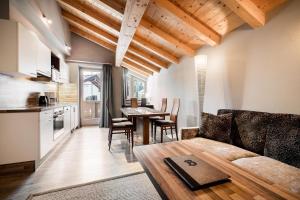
<point x="91" y="86"/>
<point x="136" y="86"/>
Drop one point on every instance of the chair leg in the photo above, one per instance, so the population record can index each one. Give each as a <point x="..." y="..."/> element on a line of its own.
<point x="131" y="134"/>
<point x="155" y="132"/>
<point x="176" y="131"/>
<point x="109" y="138"/>
<point x="161" y="134"/>
<point x="172" y="132"/>
<point x="151" y="123"/>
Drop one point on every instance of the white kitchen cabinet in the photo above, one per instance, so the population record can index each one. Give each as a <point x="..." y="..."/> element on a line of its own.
<point x="18" y="49"/>
<point x="67" y="119"/>
<point x="64" y="72"/>
<point x="43" y="59"/>
<point x="46" y="132"/>
<point x="74" y="117"/>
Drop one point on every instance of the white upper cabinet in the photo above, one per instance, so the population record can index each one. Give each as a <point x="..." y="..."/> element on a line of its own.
<point x="18" y="52"/>
<point x="43" y="59"/>
<point x="64" y="72"/>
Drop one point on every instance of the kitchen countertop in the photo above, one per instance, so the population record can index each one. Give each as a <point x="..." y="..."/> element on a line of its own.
<point x="32" y="108"/>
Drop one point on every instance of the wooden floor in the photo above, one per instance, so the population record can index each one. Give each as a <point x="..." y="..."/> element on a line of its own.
<point x="82" y="158"/>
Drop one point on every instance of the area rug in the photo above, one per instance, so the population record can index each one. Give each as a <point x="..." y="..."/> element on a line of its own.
<point x="131" y="186"/>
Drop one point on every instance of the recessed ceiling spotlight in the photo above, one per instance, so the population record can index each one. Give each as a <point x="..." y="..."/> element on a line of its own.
<point x="46" y="20"/>
<point x="68" y="48"/>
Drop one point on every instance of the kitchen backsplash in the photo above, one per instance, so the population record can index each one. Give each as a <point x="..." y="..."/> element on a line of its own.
<point x="16" y="92"/>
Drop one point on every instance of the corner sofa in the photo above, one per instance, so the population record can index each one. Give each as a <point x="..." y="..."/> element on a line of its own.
<point x="266" y="144"/>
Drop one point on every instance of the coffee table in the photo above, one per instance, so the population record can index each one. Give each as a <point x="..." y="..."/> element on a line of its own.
<point x="242" y="185"/>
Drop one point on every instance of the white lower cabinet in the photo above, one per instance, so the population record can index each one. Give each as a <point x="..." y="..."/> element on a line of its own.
<point x="67" y="119"/>
<point x="46" y="132"/>
<point x="74" y="117"/>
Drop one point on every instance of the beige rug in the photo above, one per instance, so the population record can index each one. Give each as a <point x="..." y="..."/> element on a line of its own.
<point x="132" y="186"/>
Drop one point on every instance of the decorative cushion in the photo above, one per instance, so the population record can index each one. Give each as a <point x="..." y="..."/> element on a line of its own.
<point x="189" y="132"/>
<point x="223" y="150"/>
<point x="216" y="127"/>
<point x="121" y="124"/>
<point x="252" y="128"/>
<point x="275" y="171"/>
<point x="283" y="139"/>
<point x="119" y="119"/>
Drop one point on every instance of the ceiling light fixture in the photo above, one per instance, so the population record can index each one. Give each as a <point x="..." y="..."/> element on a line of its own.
<point x="68" y="48"/>
<point x="46" y="20"/>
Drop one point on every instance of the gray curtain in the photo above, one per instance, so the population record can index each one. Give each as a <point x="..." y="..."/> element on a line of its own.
<point x="106" y="94"/>
<point x="124" y="85"/>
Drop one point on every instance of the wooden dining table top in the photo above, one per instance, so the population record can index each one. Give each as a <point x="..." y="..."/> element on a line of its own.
<point x="243" y="184"/>
<point x="142" y="112"/>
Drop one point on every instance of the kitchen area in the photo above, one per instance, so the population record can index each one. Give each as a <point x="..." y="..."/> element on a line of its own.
<point x="39" y="107"/>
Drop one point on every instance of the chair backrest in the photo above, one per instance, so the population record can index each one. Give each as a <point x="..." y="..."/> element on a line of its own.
<point x="144" y="102"/>
<point x="175" y="109"/>
<point x="134" y="102"/>
<point x="109" y="114"/>
<point x="163" y="105"/>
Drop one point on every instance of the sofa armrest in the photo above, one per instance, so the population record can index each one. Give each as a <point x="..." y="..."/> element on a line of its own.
<point x="189" y="132"/>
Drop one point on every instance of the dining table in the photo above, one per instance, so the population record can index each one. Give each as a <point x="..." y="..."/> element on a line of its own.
<point x="143" y="113"/>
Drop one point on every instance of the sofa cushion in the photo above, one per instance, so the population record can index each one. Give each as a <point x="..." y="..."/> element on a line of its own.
<point x="216" y="127"/>
<point x="253" y="128"/>
<point x="283" y="139"/>
<point x="226" y="151"/>
<point x="249" y="129"/>
<point x="275" y="171"/>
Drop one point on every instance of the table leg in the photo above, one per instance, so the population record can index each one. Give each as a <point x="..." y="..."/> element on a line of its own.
<point x="145" y="130"/>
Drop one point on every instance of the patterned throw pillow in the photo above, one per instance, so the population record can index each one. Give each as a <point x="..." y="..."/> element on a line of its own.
<point x="252" y="129"/>
<point x="216" y="127"/>
<point x="283" y="139"/>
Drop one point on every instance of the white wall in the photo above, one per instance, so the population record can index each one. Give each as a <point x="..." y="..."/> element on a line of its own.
<point x="179" y="81"/>
<point x="254" y="69"/>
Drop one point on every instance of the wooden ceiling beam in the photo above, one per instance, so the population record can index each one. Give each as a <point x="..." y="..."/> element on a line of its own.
<point x="141" y="62"/>
<point x="77" y="5"/>
<point x="167" y="37"/>
<point x="154" y="49"/>
<point x="248" y="11"/>
<point x="129" y="67"/>
<point x="136" y="66"/>
<point x="93" y="38"/>
<point x="75" y="21"/>
<point x="204" y="32"/>
<point x="118" y="10"/>
<point x="147" y="57"/>
<point x="143" y="65"/>
<point x="133" y="14"/>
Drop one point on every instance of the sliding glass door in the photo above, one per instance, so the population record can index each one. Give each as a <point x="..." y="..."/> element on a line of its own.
<point x="91" y="81"/>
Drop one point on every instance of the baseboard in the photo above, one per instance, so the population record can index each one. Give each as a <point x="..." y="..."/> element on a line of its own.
<point x="16" y="168"/>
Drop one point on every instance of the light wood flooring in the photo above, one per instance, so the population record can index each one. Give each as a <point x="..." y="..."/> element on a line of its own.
<point x="84" y="157"/>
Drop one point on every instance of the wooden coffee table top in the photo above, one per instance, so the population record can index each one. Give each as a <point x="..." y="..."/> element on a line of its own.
<point x="243" y="185"/>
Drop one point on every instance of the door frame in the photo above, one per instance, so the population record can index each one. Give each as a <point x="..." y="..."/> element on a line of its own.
<point x="82" y="66"/>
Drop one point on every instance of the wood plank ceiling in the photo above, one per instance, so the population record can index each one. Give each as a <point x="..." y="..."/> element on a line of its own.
<point x="148" y="35"/>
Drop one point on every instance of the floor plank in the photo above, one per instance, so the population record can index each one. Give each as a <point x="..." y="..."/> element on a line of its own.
<point x="82" y="158"/>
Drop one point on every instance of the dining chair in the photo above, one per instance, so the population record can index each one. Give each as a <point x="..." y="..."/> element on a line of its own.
<point x="118" y="119"/>
<point x="169" y="124"/>
<point x="144" y="102"/>
<point x="163" y="108"/>
<point x="119" y="127"/>
<point x="134" y="102"/>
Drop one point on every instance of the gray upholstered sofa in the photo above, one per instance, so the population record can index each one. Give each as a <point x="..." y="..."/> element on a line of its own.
<point x="266" y="144"/>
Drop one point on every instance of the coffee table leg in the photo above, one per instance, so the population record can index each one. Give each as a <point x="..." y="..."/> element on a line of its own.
<point x="146" y="130"/>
